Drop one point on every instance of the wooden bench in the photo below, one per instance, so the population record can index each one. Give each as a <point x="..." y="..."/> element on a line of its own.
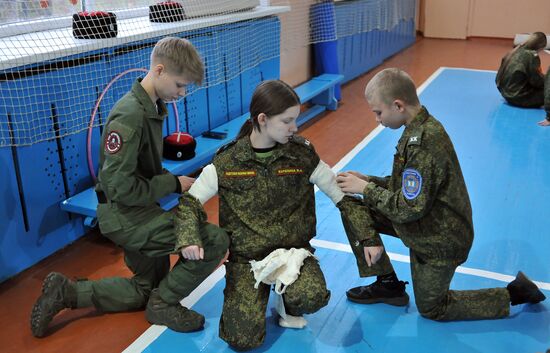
<point x="319" y="91"/>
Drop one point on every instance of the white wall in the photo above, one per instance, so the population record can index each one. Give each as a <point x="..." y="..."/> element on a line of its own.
<point x="483" y="18"/>
<point x="505" y="18"/>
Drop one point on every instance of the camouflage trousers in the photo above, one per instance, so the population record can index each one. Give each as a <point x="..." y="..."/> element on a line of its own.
<point x="150" y="266"/>
<point x="243" y="320"/>
<point x="536" y="99"/>
<point x="431" y="280"/>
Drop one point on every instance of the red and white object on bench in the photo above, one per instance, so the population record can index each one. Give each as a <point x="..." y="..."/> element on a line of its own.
<point x="179" y="146"/>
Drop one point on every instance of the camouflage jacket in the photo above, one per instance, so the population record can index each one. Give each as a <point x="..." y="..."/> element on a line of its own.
<point x="130" y="169"/>
<point x="520" y="75"/>
<point x="265" y="203"/>
<point x="426" y="198"/>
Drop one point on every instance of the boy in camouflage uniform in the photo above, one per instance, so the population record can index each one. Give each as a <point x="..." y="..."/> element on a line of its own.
<point x="425" y="203"/>
<point x="131" y="180"/>
<point x="265" y="181"/>
<point x="520" y="78"/>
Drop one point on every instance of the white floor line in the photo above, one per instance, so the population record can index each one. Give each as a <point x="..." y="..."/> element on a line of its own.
<point x="465" y="69"/>
<point x="405" y="258"/>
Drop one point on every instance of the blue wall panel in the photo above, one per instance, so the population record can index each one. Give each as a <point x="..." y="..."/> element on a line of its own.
<point x="196" y="101"/>
<point x="250" y="58"/>
<point x="364" y="40"/>
<point x="42" y="184"/>
<point x="197" y="112"/>
<point x="270" y="65"/>
<point x="232" y="69"/>
<point x="69" y="110"/>
<point x="214" y="76"/>
<point x="11" y="219"/>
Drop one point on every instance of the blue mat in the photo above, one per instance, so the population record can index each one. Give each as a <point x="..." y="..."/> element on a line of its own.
<point x="504" y="157"/>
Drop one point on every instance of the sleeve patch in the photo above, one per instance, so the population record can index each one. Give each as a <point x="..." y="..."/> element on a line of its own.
<point x="113" y="142"/>
<point x="412" y="183"/>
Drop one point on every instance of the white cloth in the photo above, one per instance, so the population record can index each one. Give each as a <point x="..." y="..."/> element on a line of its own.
<point x="325" y="179"/>
<point x="286" y="320"/>
<point x="281" y="268"/>
<point x="206" y="186"/>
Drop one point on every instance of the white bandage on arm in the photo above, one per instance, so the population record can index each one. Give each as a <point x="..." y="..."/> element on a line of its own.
<point x="325" y="179"/>
<point x="206" y="184"/>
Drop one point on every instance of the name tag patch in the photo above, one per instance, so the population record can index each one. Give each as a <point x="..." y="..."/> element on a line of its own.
<point x="240" y="173"/>
<point x="412" y="183"/>
<point x="289" y="171"/>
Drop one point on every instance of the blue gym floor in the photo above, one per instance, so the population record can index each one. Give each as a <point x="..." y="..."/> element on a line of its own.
<point x="505" y="160"/>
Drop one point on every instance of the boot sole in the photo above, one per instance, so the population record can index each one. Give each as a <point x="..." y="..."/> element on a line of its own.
<point x="397" y="301"/>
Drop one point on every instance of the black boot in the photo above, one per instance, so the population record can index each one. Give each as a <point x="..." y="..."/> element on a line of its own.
<point x="58" y="293"/>
<point x="174" y="316"/>
<point x="387" y="290"/>
<point x="522" y="290"/>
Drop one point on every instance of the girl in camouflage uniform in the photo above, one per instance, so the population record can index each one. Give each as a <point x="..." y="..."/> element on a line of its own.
<point x="265" y="181"/>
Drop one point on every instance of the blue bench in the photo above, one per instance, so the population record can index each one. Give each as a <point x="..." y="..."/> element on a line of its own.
<point x="319" y="91"/>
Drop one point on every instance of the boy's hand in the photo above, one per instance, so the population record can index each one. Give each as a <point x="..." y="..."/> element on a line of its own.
<point x="373" y="254"/>
<point x="359" y="175"/>
<point x="350" y="183"/>
<point x="544" y="123"/>
<point x="185" y="182"/>
<point x="192" y="252"/>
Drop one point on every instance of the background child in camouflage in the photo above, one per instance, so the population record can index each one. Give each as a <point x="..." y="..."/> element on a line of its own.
<point x="520" y="78"/>
<point x="426" y="204"/>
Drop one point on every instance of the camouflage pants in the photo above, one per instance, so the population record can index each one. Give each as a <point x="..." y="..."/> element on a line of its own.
<point x="536" y="99"/>
<point x="242" y="324"/>
<point x="431" y="281"/>
<point x="150" y="266"/>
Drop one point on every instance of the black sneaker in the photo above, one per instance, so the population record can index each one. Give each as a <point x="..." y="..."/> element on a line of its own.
<point x="522" y="290"/>
<point x="174" y="316"/>
<point x="58" y="293"/>
<point x="380" y="292"/>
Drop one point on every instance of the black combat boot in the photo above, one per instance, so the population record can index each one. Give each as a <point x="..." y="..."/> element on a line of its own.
<point x="522" y="290"/>
<point x="58" y="293"/>
<point x="174" y="316"/>
<point x="386" y="289"/>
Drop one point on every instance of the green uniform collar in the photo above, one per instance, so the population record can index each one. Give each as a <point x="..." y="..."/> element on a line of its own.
<point x="150" y="109"/>
<point x="419" y="119"/>
<point x="413" y="131"/>
<point x="244" y="151"/>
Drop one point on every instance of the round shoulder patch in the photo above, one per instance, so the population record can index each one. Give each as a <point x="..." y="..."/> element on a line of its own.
<point x="113" y="142"/>
<point x="412" y="183"/>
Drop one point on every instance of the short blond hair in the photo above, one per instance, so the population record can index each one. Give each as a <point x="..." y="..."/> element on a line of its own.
<point x="391" y="84"/>
<point x="179" y="57"/>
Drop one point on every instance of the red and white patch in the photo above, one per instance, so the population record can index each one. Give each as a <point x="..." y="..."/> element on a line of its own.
<point x="113" y="142"/>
